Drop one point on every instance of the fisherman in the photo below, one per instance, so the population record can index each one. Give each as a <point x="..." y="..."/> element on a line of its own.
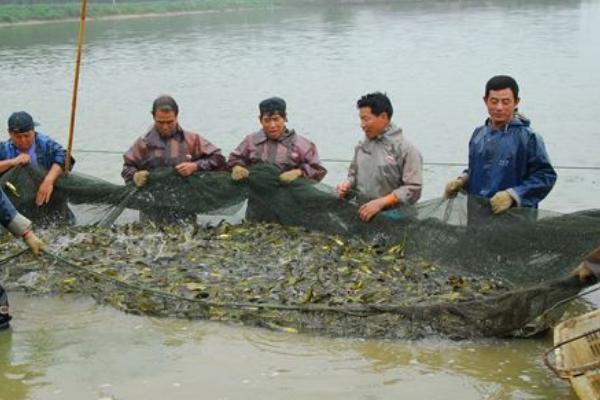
<point x="27" y="146"/>
<point x="167" y="144"/>
<point x="387" y="170"/>
<point x="275" y="143"/>
<point x="508" y="162"/>
<point x="19" y="226"/>
<point x="293" y="154"/>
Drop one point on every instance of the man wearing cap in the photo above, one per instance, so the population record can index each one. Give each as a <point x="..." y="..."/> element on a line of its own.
<point x="27" y="146"/>
<point x="293" y="154"/>
<point x="19" y="226"/>
<point x="167" y="144"/>
<point x="387" y="170"/>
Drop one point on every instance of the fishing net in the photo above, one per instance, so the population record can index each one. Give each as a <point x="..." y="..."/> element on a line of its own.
<point x="443" y="267"/>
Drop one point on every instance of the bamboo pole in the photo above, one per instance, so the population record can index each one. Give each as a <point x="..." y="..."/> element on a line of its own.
<point x="76" y="84"/>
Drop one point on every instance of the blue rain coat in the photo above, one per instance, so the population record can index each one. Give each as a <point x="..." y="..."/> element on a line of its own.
<point x="514" y="159"/>
<point x="47" y="151"/>
<point x="7" y="210"/>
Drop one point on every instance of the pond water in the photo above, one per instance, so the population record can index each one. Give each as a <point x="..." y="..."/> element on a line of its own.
<point x="432" y="58"/>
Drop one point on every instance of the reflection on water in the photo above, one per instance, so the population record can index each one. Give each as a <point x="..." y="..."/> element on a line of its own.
<point x="431" y="57"/>
<point x="72" y="349"/>
<point x="13" y="375"/>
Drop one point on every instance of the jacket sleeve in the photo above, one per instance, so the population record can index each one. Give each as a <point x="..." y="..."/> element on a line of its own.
<point x="540" y="175"/>
<point x="466" y="172"/>
<point x="353" y="169"/>
<point x="57" y="154"/>
<point x="3" y="152"/>
<point x="412" y="175"/>
<point x="312" y="167"/>
<point x="12" y="220"/>
<point x="240" y="156"/>
<point x="207" y="156"/>
<point x="7" y="209"/>
<point x="132" y="159"/>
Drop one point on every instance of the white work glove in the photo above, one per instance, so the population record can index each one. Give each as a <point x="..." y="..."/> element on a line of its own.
<point x="453" y="187"/>
<point x="140" y="178"/>
<point x="290" y="176"/>
<point x="239" y="173"/>
<point x="589" y="268"/>
<point x="501" y="202"/>
<point x="34" y="243"/>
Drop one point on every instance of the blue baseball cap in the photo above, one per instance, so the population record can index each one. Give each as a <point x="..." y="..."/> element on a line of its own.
<point x="20" y="122"/>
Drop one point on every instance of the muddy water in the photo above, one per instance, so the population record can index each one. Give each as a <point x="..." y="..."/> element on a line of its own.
<point x="432" y="58"/>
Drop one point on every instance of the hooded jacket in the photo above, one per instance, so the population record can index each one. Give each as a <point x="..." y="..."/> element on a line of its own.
<point x="387" y="164"/>
<point x="513" y="159"/>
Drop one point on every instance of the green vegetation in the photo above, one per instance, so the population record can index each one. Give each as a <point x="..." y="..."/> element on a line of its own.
<point x="21" y="11"/>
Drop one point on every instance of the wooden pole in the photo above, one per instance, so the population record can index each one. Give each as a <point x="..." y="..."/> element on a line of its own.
<point x="76" y="84"/>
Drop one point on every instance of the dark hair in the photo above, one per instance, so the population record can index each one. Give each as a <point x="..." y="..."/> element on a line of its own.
<point x="165" y="103"/>
<point x="272" y="105"/>
<point x="500" y="82"/>
<point x="378" y="103"/>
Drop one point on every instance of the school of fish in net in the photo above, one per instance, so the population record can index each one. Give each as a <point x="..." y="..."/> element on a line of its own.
<point x="428" y="270"/>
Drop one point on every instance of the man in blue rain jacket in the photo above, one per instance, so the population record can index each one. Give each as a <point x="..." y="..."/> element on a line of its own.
<point x="508" y="162"/>
<point x="27" y="146"/>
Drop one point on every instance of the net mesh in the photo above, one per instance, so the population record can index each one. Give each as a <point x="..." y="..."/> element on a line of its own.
<point x="444" y="266"/>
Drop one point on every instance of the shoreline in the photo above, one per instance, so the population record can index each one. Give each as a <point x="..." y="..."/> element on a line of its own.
<point x="124" y="16"/>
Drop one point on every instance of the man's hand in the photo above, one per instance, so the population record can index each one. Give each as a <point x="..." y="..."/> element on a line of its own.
<point x="44" y="192"/>
<point x="290" y="176"/>
<point x="342" y="189"/>
<point x="453" y="187"/>
<point x="22" y="159"/>
<point x="140" y="178"/>
<point x="367" y="211"/>
<point x="34" y="243"/>
<point x="239" y="173"/>
<point x="186" y="168"/>
<point x="501" y="202"/>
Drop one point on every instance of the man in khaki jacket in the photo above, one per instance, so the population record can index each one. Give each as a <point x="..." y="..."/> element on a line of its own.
<point x="387" y="170"/>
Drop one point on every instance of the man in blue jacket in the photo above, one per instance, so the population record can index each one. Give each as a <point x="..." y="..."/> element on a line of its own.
<point x="508" y="162"/>
<point x="26" y="146"/>
<point x="19" y="226"/>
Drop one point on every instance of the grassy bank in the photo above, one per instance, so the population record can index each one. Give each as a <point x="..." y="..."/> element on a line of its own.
<point x="45" y="12"/>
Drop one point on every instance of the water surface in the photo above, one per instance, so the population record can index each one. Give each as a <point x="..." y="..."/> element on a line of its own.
<point x="432" y="58"/>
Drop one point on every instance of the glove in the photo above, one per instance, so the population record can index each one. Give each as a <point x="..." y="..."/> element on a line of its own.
<point x="34" y="243"/>
<point x="453" y="187"/>
<point x="290" y="176"/>
<point x="501" y="202"/>
<point x="589" y="269"/>
<point x="140" y="178"/>
<point x="239" y="173"/>
<point x="582" y="272"/>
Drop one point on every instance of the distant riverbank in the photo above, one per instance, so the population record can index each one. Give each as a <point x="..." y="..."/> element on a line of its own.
<point x="38" y="13"/>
